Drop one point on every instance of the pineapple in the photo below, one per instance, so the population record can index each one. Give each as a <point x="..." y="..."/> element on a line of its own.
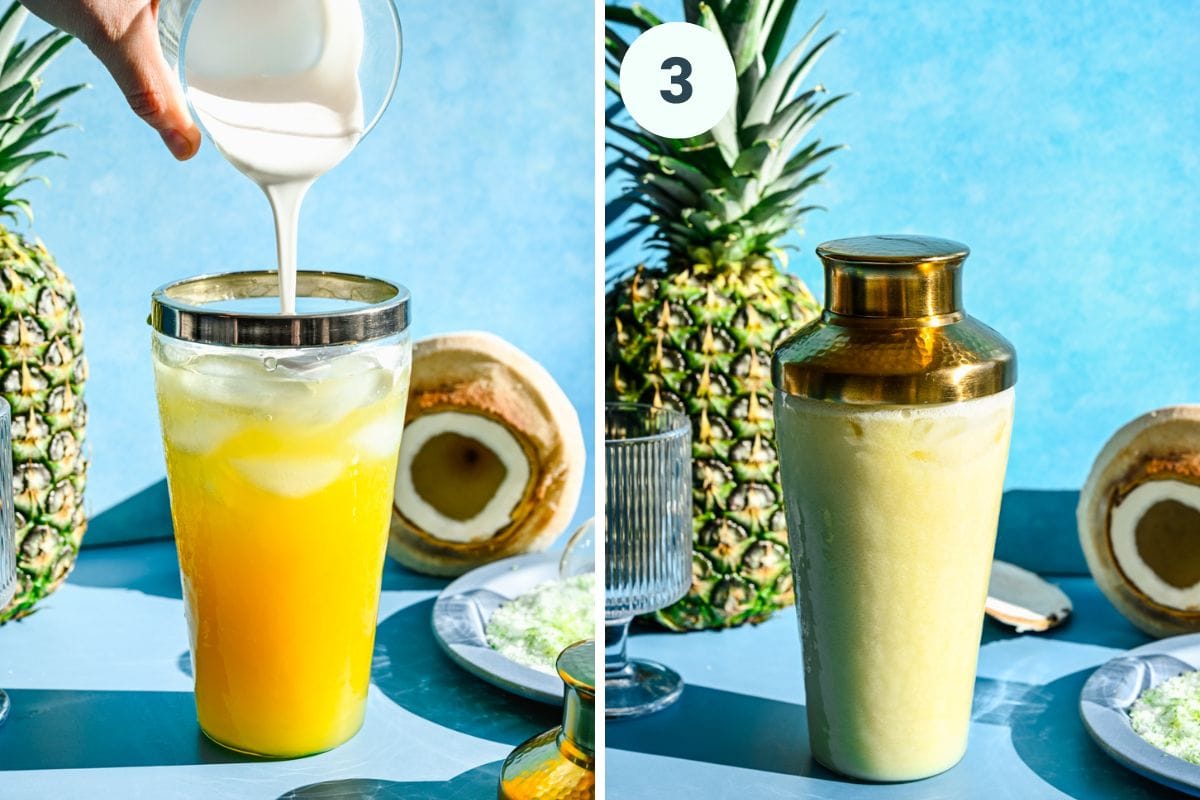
<point x="42" y="369"/>
<point x="696" y="331"/>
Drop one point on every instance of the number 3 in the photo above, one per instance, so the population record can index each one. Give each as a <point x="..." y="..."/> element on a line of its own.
<point x="679" y="80"/>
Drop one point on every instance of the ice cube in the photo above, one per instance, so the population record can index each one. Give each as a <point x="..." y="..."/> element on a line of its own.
<point x="300" y="389"/>
<point x="200" y="433"/>
<point x="290" y="477"/>
<point x="379" y="439"/>
<point x="241" y="383"/>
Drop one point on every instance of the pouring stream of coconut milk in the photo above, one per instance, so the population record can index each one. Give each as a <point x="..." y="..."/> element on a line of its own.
<point x="276" y="84"/>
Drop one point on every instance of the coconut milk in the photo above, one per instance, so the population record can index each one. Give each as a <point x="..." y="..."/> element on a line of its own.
<point x="892" y="520"/>
<point x="276" y="84"/>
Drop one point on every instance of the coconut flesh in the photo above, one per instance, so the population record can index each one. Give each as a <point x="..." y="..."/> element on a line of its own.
<point x="1149" y="529"/>
<point x="461" y="476"/>
<point x="492" y="458"/>
<point x="1139" y="521"/>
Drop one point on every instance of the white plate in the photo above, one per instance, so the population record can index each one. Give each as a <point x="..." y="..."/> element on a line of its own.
<point x="1111" y="690"/>
<point x="460" y="618"/>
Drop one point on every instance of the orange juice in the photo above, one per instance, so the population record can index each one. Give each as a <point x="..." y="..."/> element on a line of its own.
<point x="281" y="472"/>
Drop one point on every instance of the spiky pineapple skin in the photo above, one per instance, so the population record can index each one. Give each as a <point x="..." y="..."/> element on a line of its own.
<point x="42" y="375"/>
<point x="699" y="339"/>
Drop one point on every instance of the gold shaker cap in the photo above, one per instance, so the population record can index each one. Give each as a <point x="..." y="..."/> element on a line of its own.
<point x="894" y="331"/>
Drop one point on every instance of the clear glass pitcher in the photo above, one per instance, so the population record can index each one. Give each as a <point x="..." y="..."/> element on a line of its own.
<point x="382" y="40"/>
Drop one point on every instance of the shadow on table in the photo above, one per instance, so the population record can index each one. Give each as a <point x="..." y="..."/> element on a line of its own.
<point x="480" y="782"/>
<point x="1093" y="621"/>
<point x="154" y="570"/>
<point x="414" y="673"/>
<point x="737" y="730"/>
<point x="1050" y="738"/>
<point x="142" y="517"/>
<point x="720" y="727"/>
<point x="397" y="578"/>
<point x="70" y="729"/>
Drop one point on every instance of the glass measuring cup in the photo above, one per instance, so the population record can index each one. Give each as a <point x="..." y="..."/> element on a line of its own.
<point x="378" y="72"/>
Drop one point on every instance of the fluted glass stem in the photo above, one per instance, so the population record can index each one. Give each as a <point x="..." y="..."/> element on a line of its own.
<point x="616" y="634"/>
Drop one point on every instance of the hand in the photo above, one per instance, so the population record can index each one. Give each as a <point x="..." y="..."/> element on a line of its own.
<point x="124" y="36"/>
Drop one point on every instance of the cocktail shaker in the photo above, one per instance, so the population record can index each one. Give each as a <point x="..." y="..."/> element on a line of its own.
<point x="893" y="413"/>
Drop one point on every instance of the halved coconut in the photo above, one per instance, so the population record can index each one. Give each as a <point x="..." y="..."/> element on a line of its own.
<point x="492" y="457"/>
<point x="1139" y="521"/>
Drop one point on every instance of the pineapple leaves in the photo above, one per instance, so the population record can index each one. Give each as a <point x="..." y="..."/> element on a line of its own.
<point x="771" y="93"/>
<point x="807" y="157"/>
<point x="10" y="25"/>
<point x="734" y="191"/>
<point x="751" y="160"/>
<point x="683" y="171"/>
<point x="13" y="98"/>
<point x="616" y="46"/>
<point x="7" y="205"/>
<point x="725" y="135"/>
<point x="743" y="23"/>
<point x="794" y="136"/>
<point x="779" y="19"/>
<point x="53" y="101"/>
<point x="29" y="63"/>
<point x="810" y="60"/>
<point x="636" y="15"/>
<point x="25" y="119"/>
<point x="709" y="21"/>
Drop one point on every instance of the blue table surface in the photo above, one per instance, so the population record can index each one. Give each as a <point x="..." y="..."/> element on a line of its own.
<point x="739" y="730"/>
<point x="102" y="701"/>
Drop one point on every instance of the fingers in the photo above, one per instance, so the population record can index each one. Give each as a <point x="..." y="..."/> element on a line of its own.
<point x="134" y="58"/>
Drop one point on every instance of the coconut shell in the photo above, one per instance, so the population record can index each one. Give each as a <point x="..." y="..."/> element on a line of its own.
<point x="480" y="373"/>
<point x="1022" y="600"/>
<point x="1164" y="444"/>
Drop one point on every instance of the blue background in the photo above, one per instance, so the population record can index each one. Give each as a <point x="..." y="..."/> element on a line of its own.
<point x="1061" y="141"/>
<point x="475" y="191"/>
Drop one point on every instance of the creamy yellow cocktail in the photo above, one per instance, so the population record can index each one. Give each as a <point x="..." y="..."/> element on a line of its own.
<point x="281" y="467"/>
<point x="892" y="515"/>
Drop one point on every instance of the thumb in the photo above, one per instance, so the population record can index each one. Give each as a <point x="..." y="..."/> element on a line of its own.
<point x="135" y="60"/>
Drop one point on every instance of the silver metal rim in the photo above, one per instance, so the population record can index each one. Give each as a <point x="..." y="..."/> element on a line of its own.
<point x="178" y="310"/>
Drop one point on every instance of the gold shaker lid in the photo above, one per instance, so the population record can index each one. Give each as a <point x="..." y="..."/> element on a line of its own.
<point x="894" y="331"/>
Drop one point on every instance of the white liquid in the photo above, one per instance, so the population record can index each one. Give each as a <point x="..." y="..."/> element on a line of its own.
<point x="276" y="84"/>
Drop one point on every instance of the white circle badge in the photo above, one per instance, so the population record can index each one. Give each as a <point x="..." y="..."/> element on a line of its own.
<point x="678" y="80"/>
